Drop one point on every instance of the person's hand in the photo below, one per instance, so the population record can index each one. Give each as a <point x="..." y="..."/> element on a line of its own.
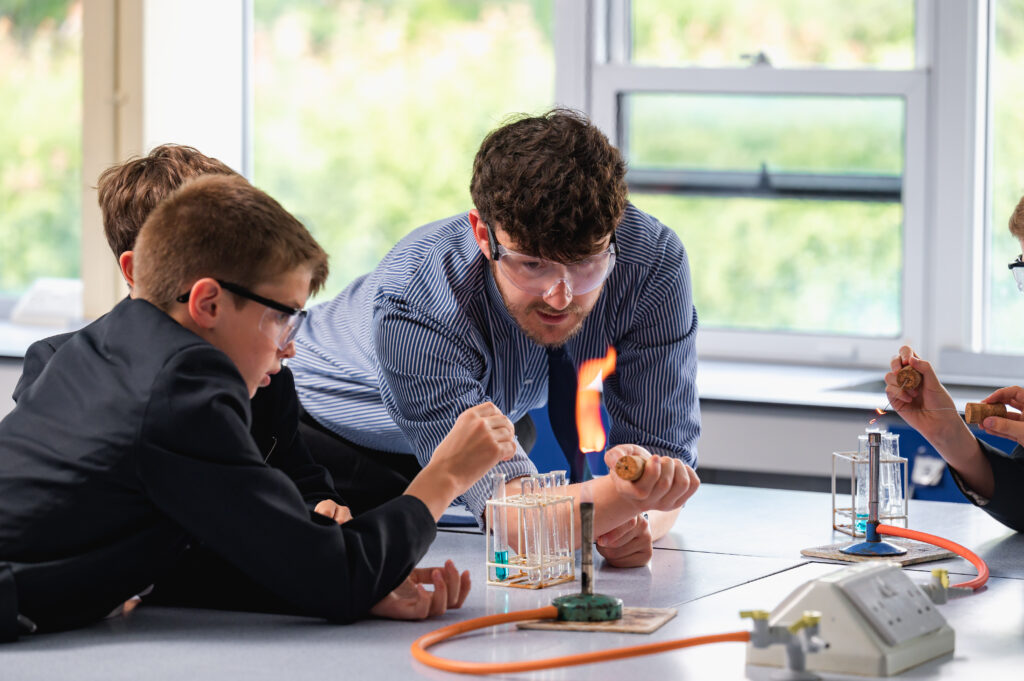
<point x="628" y="545"/>
<point x="340" y="514"/>
<point x="928" y="408"/>
<point x="481" y="437"/>
<point x="1011" y="426"/>
<point x="411" y="601"/>
<point x="665" y="485"/>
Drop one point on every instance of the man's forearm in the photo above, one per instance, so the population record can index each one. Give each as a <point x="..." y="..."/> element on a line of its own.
<point x="610" y="508"/>
<point x="662" y="522"/>
<point x="960" y="449"/>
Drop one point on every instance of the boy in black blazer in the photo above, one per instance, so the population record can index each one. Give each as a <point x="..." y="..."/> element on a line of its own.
<point x="127" y="193"/>
<point x="134" y="440"/>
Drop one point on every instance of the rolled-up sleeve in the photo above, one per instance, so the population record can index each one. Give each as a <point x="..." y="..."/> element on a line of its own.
<point x="429" y="374"/>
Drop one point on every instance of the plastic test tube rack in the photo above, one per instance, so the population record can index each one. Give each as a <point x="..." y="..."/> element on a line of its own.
<point x="544" y="552"/>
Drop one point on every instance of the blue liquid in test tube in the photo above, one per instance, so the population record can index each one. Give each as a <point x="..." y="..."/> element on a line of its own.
<point x="498" y="527"/>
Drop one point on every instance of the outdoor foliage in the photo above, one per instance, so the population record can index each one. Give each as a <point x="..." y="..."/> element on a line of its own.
<point x="368" y="114"/>
<point x="40" y="141"/>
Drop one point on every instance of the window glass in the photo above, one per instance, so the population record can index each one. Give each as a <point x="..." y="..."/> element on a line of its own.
<point x="1005" y="306"/>
<point x="791" y="33"/>
<point x="40" y="143"/>
<point x="821" y="267"/>
<point x="808" y="134"/>
<point x="368" y="114"/>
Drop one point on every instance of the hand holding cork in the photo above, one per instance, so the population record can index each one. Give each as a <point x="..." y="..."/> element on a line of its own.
<point x="976" y="412"/>
<point x="631" y="466"/>
<point x="908" y="378"/>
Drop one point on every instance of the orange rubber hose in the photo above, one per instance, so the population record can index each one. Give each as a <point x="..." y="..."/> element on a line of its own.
<point x="420" y="645"/>
<point x="961" y="551"/>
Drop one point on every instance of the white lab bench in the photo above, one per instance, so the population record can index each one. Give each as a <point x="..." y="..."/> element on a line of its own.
<point x="733" y="548"/>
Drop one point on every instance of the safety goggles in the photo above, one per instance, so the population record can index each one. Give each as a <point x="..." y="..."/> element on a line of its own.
<point x="279" y="322"/>
<point x="539" y="277"/>
<point x="1017" y="270"/>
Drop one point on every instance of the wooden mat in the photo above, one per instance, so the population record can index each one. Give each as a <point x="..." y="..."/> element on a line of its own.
<point x="634" y="621"/>
<point x="917" y="552"/>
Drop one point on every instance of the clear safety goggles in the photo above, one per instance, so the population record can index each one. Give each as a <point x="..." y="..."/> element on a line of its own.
<point x="279" y="322"/>
<point x="1017" y="270"/>
<point x="539" y="277"/>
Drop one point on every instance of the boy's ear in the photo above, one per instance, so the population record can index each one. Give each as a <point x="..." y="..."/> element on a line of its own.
<point x="127" y="262"/>
<point x="205" y="301"/>
<point x="479" y="227"/>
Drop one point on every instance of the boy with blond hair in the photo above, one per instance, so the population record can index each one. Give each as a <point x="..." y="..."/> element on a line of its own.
<point x="134" y="442"/>
<point x="127" y="193"/>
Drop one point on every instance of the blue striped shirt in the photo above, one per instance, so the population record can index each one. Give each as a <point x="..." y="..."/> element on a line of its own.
<point x="393" y="360"/>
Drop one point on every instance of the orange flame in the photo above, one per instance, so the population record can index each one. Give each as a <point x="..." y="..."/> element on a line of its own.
<point x="880" y="412"/>
<point x="588" y="401"/>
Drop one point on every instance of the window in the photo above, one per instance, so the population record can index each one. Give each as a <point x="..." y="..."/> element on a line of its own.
<point x="784" y="141"/>
<point x="789" y="205"/>
<point x="1004" y="332"/>
<point x="792" y="33"/>
<point x="40" y="153"/>
<point x="367" y="115"/>
<point x="839" y="188"/>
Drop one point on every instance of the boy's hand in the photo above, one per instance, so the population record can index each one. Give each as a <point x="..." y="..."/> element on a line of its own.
<point x="628" y="545"/>
<point x="481" y="437"/>
<point x="410" y="601"/>
<point x="665" y="485"/>
<point x="340" y="514"/>
<point x="1010" y="426"/>
<point x="928" y="408"/>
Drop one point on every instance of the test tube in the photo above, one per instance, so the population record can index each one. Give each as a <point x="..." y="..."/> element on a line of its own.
<point x="499" y="529"/>
<point x="547" y="481"/>
<point x="560" y="526"/>
<point x="891" y="483"/>
<point x="529" y="529"/>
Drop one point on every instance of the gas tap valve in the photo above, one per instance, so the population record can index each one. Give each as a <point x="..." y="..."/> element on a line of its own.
<point x="939" y="590"/>
<point x="799" y="638"/>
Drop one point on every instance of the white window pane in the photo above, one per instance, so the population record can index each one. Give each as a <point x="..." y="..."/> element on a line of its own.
<point x="1005" y="307"/>
<point x="808" y="134"/>
<point x="821" y="267"/>
<point x="40" y="144"/>
<point x="791" y="33"/>
<point x="368" y="115"/>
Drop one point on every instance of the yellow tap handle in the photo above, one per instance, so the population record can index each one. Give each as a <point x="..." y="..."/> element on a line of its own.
<point x="810" y="618"/>
<point x="755" y="614"/>
<point x="943" y="576"/>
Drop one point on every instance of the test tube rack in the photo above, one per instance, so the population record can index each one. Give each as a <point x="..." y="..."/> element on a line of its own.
<point x="845" y="517"/>
<point x="544" y="554"/>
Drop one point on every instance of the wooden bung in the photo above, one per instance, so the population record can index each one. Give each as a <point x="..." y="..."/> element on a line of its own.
<point x="976" y="412"/>
<point x="908" y="378"/>
<point x="630" y="466"/>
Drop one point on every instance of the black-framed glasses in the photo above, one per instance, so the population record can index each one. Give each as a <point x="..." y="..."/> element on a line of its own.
<point x="539" y="277"/>
<point x="279" y="322"/>
<point x="1017" y="270"/>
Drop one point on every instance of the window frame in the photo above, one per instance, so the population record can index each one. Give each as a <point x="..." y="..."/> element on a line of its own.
<point x="943" y="184"/>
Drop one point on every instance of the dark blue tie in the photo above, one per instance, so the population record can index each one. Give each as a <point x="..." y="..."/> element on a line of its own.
<point x="562" y="410"/>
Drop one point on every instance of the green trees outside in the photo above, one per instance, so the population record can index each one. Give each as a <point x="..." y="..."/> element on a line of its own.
<point x="1005" y="330"/>
<point x="368" y="114"/>
<point x="40" y="141"/>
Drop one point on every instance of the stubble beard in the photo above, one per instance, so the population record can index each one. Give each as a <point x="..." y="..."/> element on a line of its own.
<point x="522" y="312"/>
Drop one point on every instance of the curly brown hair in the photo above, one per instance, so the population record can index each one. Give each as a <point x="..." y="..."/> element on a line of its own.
<point x="222" y="227"/>
<point x="129" y="191"/>
<point x="553" y="182"/>
<point x="1017" y="220"/>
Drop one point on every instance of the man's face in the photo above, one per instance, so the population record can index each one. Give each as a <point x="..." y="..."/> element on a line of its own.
<point x="550" y="319"/>
<point x="248" y="337"/>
